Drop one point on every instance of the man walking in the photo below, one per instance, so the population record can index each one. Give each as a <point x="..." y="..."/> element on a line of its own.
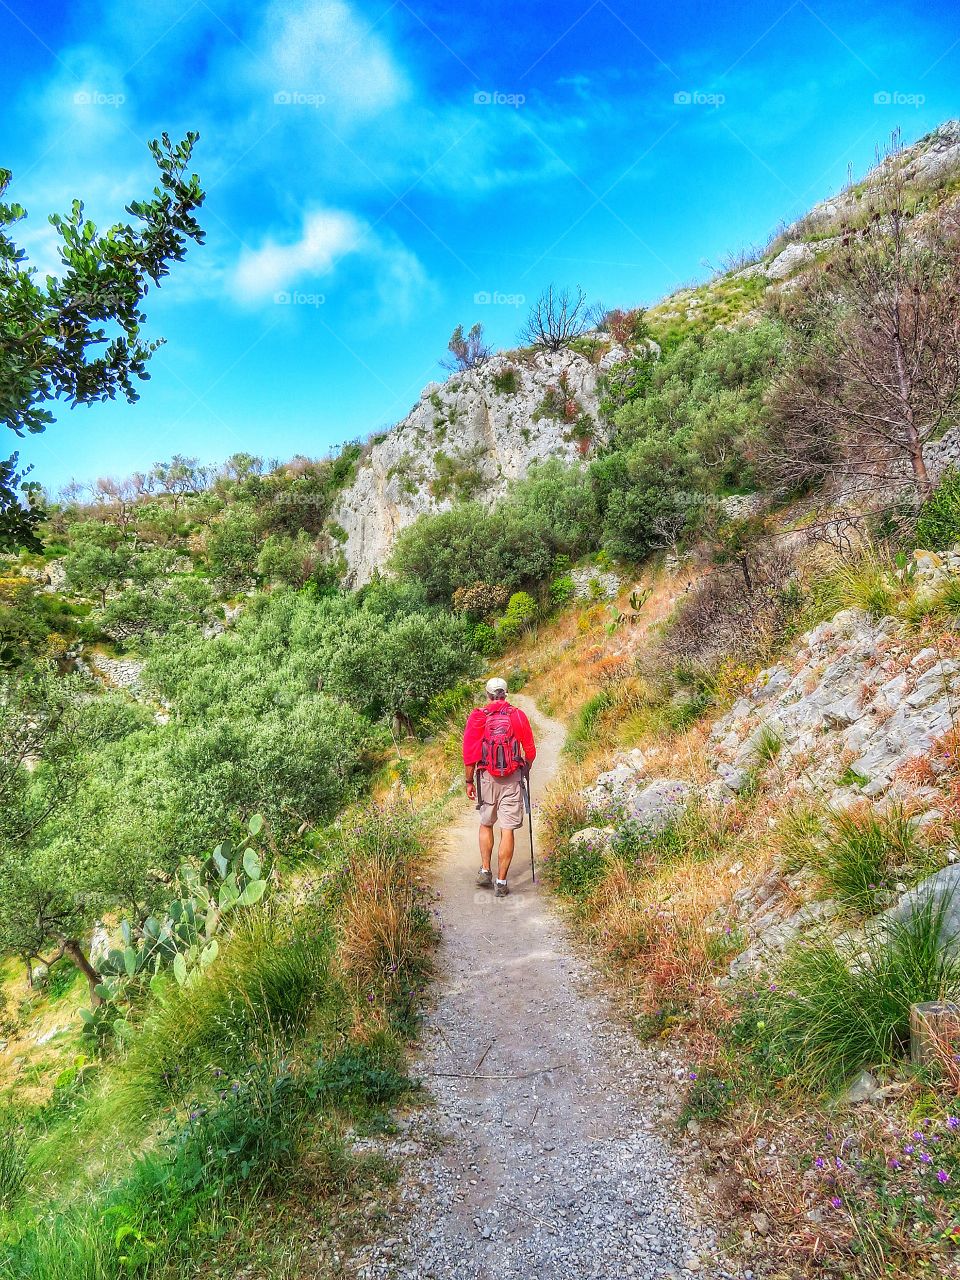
<point x="498" y="748"/>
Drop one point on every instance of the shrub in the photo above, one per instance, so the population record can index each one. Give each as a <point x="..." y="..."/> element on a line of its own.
<point x="575" y="869"/>
<point x="485" y="640"/>
<point x="866" y="580"/>
<point x="480" y="599"/>
<point x="562" y="591"/>
<point x="938" y="524"/>
<point x="506" y="382"/>
<point x="233" y="546"/>
<point x="736" y="614"/>
<point x="521" y="612"/>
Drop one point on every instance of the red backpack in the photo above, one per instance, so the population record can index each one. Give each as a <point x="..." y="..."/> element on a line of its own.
<point x="500" y="753"/>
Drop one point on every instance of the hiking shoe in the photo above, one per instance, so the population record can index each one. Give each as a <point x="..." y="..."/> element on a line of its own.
<point x="484" y="879"/>
<point x="502" y="890"/>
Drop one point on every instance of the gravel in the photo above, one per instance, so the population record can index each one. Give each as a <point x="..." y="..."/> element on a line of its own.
<point x="546" y="1154"/>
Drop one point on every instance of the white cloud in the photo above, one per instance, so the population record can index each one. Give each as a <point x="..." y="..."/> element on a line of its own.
<point x="323" y="47"/>
<point x="326" y="236"/>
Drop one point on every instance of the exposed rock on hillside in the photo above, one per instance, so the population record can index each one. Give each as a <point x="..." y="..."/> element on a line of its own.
<point x="861" y="714"/>
<point x="467" y="437"/>
<point x="928" y="162"/>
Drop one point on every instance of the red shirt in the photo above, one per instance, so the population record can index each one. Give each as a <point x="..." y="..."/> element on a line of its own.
<point x="473" y="734"/>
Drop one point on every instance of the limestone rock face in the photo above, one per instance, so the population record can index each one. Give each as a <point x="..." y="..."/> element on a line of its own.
<point x="929" y="160"/>
<point x="467" y="437"/>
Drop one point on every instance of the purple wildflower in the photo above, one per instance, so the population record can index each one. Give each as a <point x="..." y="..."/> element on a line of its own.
<point x="942" y="1176"/>
<point x="836" y="1201"/>
<point x="819" y="1162"/>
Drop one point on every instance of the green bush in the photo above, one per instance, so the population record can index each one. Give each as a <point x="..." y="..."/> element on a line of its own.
<point x="521" y="613"/>
<point x="938" y="524"/>
<point x="485" y="640"/>
<point x="575" y="869"/>
<point x="561" y="591"/>
<point x="506" y="382"/>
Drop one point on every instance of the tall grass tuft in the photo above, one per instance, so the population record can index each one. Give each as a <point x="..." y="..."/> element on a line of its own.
<point x="837" y="1010"/>
<point x="382" y="929"/>
<point x="270" y="975"/>
<point x="867" y="580"/>
<point x="862" y="855"/>
<point x="13" y="1157"/>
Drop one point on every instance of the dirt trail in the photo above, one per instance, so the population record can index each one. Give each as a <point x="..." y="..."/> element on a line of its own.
<point x="550" y="1162"/>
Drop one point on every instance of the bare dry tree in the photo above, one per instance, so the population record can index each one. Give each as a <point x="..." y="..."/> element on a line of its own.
<point x="874" y="375"/>
<point x="556" y="318"/>
<point x="467" y="352"/>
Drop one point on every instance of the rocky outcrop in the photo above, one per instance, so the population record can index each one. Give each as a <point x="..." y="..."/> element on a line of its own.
<point x="468" y="437"/>
<point x="925" y="163"/>
<point x="856" y="716"/>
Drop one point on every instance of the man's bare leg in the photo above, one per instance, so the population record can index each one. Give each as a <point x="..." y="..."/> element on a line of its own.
<point x="505" y="855"/>
<point x="486" y="847"/>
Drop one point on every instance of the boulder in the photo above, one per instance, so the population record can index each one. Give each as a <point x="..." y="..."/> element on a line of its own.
<point x="658" y="804"/>
<point x="939" y="892"/>
<point x="593" y="838"/>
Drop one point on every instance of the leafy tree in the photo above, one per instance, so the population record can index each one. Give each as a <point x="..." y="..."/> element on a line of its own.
<point x="468" y="352"/>
<point x="178" y="477"/>
<point x="99" y="558"/>
<point x="291" y="561"/>
<point x="154" y="609"/>
<point x="54" y="343"/>
<point x="233" y="545"/>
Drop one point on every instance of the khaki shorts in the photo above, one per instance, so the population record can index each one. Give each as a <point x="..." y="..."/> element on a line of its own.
<point x="502" y="800"/>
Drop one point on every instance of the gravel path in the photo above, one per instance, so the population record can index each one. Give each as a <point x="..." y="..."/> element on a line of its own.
<point x="544" y="1157"/>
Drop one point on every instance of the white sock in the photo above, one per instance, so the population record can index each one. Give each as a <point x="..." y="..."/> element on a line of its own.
<point x="499" y="881"/>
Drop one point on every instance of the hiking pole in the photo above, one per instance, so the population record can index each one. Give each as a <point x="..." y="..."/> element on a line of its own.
<point x="526" y="797"/>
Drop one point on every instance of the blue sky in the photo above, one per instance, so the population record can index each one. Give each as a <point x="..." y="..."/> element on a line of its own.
<point x="376" y="168"/>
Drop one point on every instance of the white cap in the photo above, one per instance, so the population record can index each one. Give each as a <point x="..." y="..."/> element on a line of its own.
<point x="496" y="684"/>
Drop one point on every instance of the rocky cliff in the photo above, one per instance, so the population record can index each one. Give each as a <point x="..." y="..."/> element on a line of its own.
<point x="467" y="438"/>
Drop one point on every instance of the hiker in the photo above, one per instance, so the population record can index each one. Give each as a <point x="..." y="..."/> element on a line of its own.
<point x="498" y="750"/>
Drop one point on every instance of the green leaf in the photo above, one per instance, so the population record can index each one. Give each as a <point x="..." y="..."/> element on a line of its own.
<point x="87" y="1017"/>
<point x="255" y="825"/>
<point x="209" y="953"/>
<point x="252" y="893"/>
<point x="180" y="968"/>
<point x="251" y="864"/>
<point x="130" y="961"/>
